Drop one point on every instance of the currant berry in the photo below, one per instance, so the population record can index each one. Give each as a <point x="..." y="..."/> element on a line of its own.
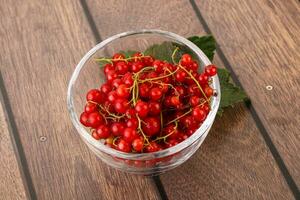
<point x="90" y="107"/>
<point x="95" y="119"/>
<point x="103" y="131"/>
<point x="123" y="146"/>
<point x="194" y="100"/>
<point x="136" y="66"/>
<point x="108" y="67"/>
<point x="84" y="119"/>
<point x="154" y="108"/>
<point x="156" y="93"/>
<point x="121" y="105"/>
<point x="95" y="135"/>
<point x="105" y="88"/>
<point x="123" y="91"/>
<point x="112" y="96"/>
<point x="186" y="60"/>
<point x="130" y="134"/>
<point x="198" y="114"/>
<point x="211" y="70"/>
<point x="95" y="95"/>
<point x="142" y="109"/>
<point x="121" y="68"/>
<point x="203" y="79"/>
<point x="132" y="123"/>
<point x="208" y="91"/>
<point x="180" y="75"/>
<point x="138" y="144"/>
<point x="151" y="126"/>
<point x="117" y="128"/>
<point x="111" y="75"/>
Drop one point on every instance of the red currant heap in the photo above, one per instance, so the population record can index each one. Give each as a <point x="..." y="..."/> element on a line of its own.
<point x="147" y="105"/>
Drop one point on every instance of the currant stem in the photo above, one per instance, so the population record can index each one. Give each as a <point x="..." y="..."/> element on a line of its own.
<point x="140" y="128"/>
<point x="175" y="120"/>
<point x="173" y="55"/>
<point x="193" y="78"/>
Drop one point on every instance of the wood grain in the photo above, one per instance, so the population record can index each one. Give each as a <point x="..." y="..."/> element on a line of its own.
<point x="11" y="184"/>
<point x="234" y="162"/>
<point x="261" y="40"/>
<point x="41" y="43"/>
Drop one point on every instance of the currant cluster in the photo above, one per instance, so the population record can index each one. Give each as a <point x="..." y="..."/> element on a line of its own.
<point x="147" y="105"/>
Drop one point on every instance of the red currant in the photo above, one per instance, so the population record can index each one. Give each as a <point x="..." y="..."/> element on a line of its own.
<point x="95" y="95"/>
<point x="117" y="128"/>
<point x="103" y="131"/>
<point x="132" y="123"/>
<point x="121" y="105"/>
<point x="137" y="66"/>
<point x="198" y="114"/>
<point x="123" y="91"/>
<point x="156" y="93"/>
<point x="84" y="119"/>
<point x="122" y="67"/>
<point x="211" y="70"/>
<point x="95" y="119"/>
<point x="130" y="134"/>
<point x="138" y="144"/>
<point x="154" y="108"/>
<point x="90" y="107"/>
<point x="151" y="126"/>
<point x="95" y="135"/>
<point x="186" y="60"/>
<point x="123" y="146"/>
<point x="105" y="88"/>
<point x="142" y="109"/>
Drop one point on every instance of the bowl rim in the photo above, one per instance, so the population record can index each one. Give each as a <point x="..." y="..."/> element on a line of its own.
<point x="142" y="156"/>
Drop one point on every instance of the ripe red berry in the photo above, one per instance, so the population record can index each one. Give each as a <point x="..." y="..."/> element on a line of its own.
<point x="112" y="96"/>
<point x="156" y="93"/>
<point x="130" y="134"/>
<point x="151" y="126"/>
<point x="198" y="114"/>
<point x="105" y="88"/>
<point x="127" y="79"/>
<point x="95" y="119"/>
<point x="194" y="66"/>
<point x="142" y="109"/>
<point x="123" y="146"/>
<point x="117" y="128"/>
<point x="208" y="91"/>
<point x="137" y="56"/>
<point x="111" y="75"/>
<point x="186" y="60"/>
<point x="121" y="67"/>
<point x="117" y="57"/>
<point x="90" y="107"/>
<point x="144" y="90"/>
<point x="95" y="95"/>
<point x="121" y="105"/>
<point x="116" y="83"/>
<point x="123" y="91"/>
<point x="132" y="123"/>
<point x="210" y="70"/>
<point x="148" y="60"/>
<point x="137" y="66"/>
<point x="180" y="75"/>
<point x="175" y="101"/>
<point x="194" y="100"/>
<point x="138" y="144"/>
<point x="103" y="131"/>
<point x="108" y="67"/>
<point x="203" y="79"/>
<point x="130" y="113"/>
<point x="154" y="108"/>
<point x="84" y="119"/>
<point x="95" y="135"/>
<point x="158" y="66"/>
<point x="152" y="147"/>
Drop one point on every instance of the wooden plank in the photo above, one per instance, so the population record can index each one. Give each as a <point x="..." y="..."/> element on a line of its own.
<point x="234" y="162"/>
<point x="43" y="42"/>
<point x="11" y="184"/>
<point x="261" y="41"/>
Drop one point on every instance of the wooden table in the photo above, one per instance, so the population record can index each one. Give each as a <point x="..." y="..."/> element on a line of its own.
<point x="251" y="152"/>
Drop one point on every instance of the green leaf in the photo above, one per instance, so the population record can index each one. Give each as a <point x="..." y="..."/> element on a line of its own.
<point x="230" y="94"/>
<point x="161" y="51"/>
<point x="206" y="43"/>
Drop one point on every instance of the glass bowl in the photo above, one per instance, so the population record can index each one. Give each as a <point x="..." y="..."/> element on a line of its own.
<point x="87" y="75"/>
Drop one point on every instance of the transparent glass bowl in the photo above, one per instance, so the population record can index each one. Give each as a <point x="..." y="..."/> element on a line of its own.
<point x="88" y="75"/>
